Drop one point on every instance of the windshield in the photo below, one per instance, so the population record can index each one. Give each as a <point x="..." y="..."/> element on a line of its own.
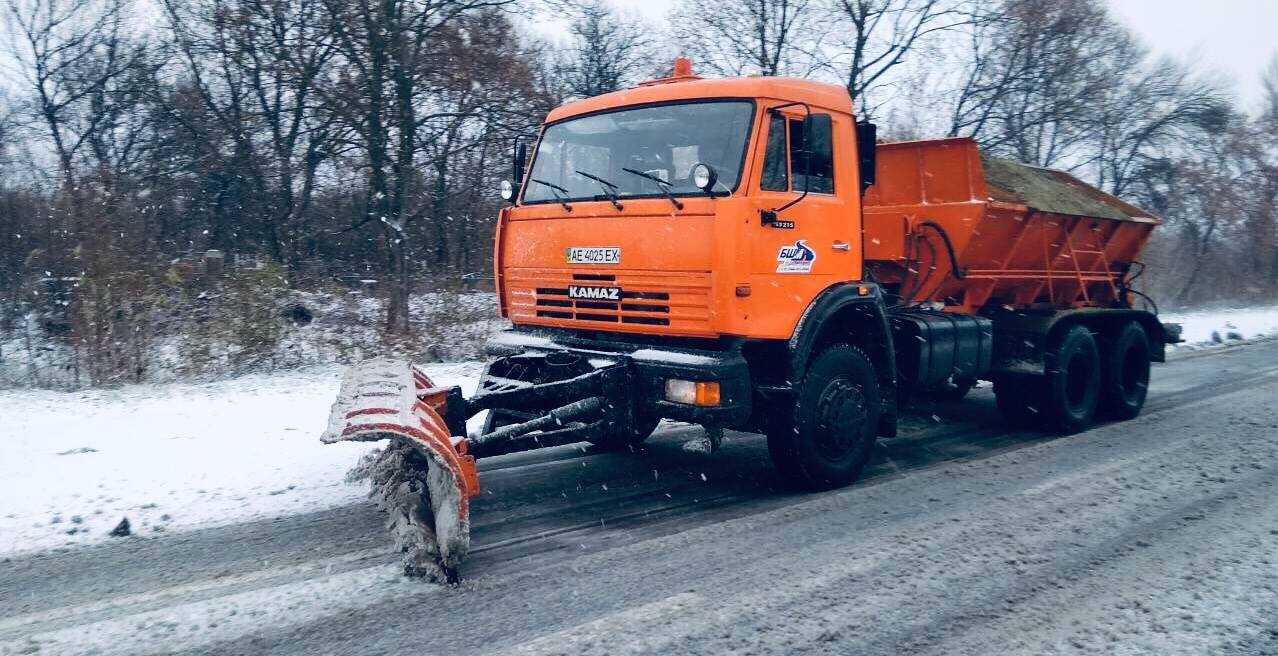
<point x="662" y="141"/>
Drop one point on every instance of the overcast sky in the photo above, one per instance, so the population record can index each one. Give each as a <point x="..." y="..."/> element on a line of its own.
<point x="1234" y="38"/>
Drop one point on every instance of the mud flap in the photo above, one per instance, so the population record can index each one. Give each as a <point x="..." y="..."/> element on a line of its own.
<point x="425" y="478"/>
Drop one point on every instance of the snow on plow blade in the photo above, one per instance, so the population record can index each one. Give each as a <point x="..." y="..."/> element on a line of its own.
<point x="425" y="478"/>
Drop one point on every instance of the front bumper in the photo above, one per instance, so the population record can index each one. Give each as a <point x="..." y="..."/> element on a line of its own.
<point x="649" y="369"/>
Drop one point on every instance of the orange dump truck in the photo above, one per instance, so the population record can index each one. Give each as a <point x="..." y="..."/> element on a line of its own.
<point x="740" y="253"/>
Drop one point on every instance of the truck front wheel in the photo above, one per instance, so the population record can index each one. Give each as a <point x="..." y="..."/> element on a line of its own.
<point x="1126" y="373"/>
<point x="826" y="439"/>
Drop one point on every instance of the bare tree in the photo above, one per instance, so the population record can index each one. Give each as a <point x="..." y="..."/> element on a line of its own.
<point x="385" y="70"/>
<point x="607" y="51"/>
<point x="1206" y="195"/>
<point x="873" y="37"/>
<point x="1269" y="83"/>
<point x="1034" y="71"/>
<point x="1264" y="213"/>
<point x="481" y="105"/>
<point x="87" y="74"/>
<point x="6" y="131"/>
<point x="253" y="67"/>
<point x="748" y="37"/>
<point x="1154" y="112"/>
<point x="82" y="68"/>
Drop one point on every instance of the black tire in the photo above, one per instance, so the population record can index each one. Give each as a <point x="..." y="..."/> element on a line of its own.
<point x="1126" y="367"/>
<point x="629" y="437"/>
<point x="1072" y="386"/>
<point x="827" y="437"/>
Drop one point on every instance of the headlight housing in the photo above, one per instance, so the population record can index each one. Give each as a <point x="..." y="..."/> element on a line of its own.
<point x="704" y="176"/>
<point x="688" y="392"/>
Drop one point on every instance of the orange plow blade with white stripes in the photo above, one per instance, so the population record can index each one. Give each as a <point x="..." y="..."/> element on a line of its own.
<point x="428" y="504"/>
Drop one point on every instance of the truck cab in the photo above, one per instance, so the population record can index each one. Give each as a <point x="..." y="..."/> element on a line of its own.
<point x="611" y="230"/>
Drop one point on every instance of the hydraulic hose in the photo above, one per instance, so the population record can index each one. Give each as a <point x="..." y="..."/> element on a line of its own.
<point x="949" y="249"/>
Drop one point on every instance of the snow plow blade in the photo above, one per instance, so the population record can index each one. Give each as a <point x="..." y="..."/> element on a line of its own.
<point x="425" y="478"/>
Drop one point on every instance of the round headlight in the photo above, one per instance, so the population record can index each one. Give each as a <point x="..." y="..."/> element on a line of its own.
<point x="507" y="190"/>
<point x="704" y="176"/>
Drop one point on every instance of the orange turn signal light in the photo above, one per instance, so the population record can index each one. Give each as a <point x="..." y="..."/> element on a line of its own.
<point x="708" y="394"/>
<point x="689" y="392"/>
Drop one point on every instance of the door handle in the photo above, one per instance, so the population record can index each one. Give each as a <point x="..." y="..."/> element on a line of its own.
<point x="841" y="246"/>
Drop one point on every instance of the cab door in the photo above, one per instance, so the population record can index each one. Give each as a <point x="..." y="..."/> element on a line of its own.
<point x="801" y="242"/>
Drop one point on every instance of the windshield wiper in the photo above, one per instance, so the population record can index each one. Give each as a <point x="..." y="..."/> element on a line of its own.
<point x="661" y="184"/>
<point x="610" y="189"/>
<point x="563" y="200"/>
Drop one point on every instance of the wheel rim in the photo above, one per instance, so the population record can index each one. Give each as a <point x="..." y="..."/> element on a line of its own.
<point x="1078" y="380"/>
<point x="842" y="412"/>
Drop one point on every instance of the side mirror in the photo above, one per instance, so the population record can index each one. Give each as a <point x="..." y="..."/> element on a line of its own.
<point x="507" y="191"/>
<point x="521" y="161"/>
<point x="867" y="135"/>
<point x="705" y="177"/>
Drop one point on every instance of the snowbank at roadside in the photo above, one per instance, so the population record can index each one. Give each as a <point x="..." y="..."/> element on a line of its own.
<point x="173" y="456"/>
<point x="1205" y="328"/>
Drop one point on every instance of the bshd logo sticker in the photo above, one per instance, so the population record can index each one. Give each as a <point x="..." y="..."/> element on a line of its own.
<point x="796" y="259"/>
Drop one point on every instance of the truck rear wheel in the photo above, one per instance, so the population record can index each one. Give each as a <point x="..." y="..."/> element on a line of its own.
<point x="1126" y="373"/>
<point x="827" y="437"/>
<point x="1072" y="386"/>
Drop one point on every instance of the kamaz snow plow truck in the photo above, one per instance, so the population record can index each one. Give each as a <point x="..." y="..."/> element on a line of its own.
<point x="740" y="253"/>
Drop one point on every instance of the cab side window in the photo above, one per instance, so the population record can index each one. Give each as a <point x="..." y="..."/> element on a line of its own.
<point x="776" y="176"/>
<point x="816" y="166"/>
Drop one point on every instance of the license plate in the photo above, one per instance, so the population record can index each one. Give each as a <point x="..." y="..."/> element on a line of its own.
<point x="578" y="255"/>
<point x="594" y="293"/>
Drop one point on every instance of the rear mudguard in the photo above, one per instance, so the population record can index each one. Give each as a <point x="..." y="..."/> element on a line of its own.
<point x="385" y="399"/>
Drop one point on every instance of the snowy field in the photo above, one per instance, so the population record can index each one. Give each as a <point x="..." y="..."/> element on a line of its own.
<point x="1209" y="327"/>
<point x="173" y="457"/>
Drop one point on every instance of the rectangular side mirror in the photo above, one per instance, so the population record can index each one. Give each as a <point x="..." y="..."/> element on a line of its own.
<point x="521" y="161"/>
<point x="867" y="135"/>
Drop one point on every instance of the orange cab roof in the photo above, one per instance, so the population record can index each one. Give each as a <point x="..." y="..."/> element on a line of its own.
<point x="818" y="94"/>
